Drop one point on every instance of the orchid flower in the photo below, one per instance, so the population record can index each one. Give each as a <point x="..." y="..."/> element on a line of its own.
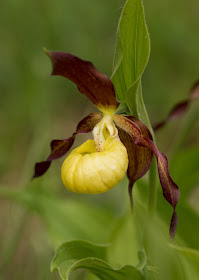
<point x="121" y="144"/>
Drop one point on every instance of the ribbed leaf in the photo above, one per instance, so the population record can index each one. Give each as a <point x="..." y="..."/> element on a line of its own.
<point x="74" y="255"/>
<point x="131" y="57"/>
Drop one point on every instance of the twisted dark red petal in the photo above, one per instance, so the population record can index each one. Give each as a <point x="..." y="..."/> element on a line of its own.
<point x="170" y="189"/>
<point x="173" y="225"/>
<point x="139" y="157"/>
<point x="60" y="147"/>
<point x="180" y="109"/>
<point x="95" y="85"/>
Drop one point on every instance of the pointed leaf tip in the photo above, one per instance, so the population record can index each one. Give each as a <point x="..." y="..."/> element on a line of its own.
<point x="132" y="49"/>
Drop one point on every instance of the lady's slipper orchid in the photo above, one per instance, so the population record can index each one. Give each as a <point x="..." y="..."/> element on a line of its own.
<point x="99" y="164"/>
<point x="86" y="170"/>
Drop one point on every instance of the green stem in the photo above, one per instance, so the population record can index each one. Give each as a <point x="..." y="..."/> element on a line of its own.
<point x="152" y="191"/>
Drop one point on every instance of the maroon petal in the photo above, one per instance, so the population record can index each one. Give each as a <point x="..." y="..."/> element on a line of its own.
<point x="61" y="147"/>
<point x="175" y="113"/>
<point x="173" y="225"/>
<point x="180" y="108"/>
<point x="95" y="85"/>
<point x="170" y="189"/>
<point x="41" y="168"/>
<point x="139" y="157"/>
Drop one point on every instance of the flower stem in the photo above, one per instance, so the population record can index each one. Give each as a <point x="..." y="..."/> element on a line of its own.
<point x="152" y="190"/>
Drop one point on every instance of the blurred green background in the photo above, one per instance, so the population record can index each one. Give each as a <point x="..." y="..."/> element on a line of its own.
<point x="36" y="108"/>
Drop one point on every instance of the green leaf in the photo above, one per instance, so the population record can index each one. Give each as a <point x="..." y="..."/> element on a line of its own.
<point x="142" y="259"/>
<point x="131" y="57"/>
<point x="70" y="252"/>
<point x="74" y="255"/>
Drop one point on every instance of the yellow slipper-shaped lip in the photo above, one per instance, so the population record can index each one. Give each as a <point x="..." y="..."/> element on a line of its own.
<point x="87" y="171"/>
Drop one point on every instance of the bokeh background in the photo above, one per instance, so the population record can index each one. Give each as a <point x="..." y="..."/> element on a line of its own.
<point x="36" y="108"/>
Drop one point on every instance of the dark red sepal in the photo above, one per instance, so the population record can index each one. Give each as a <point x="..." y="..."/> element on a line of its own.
<point x="95" y="85"/>
<point x="41" y="168"/>
<point x="173" y="225"/>
<point x="170" y="189"/>
<point x="60" y="147"/>
<point x="139" y="157"/>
